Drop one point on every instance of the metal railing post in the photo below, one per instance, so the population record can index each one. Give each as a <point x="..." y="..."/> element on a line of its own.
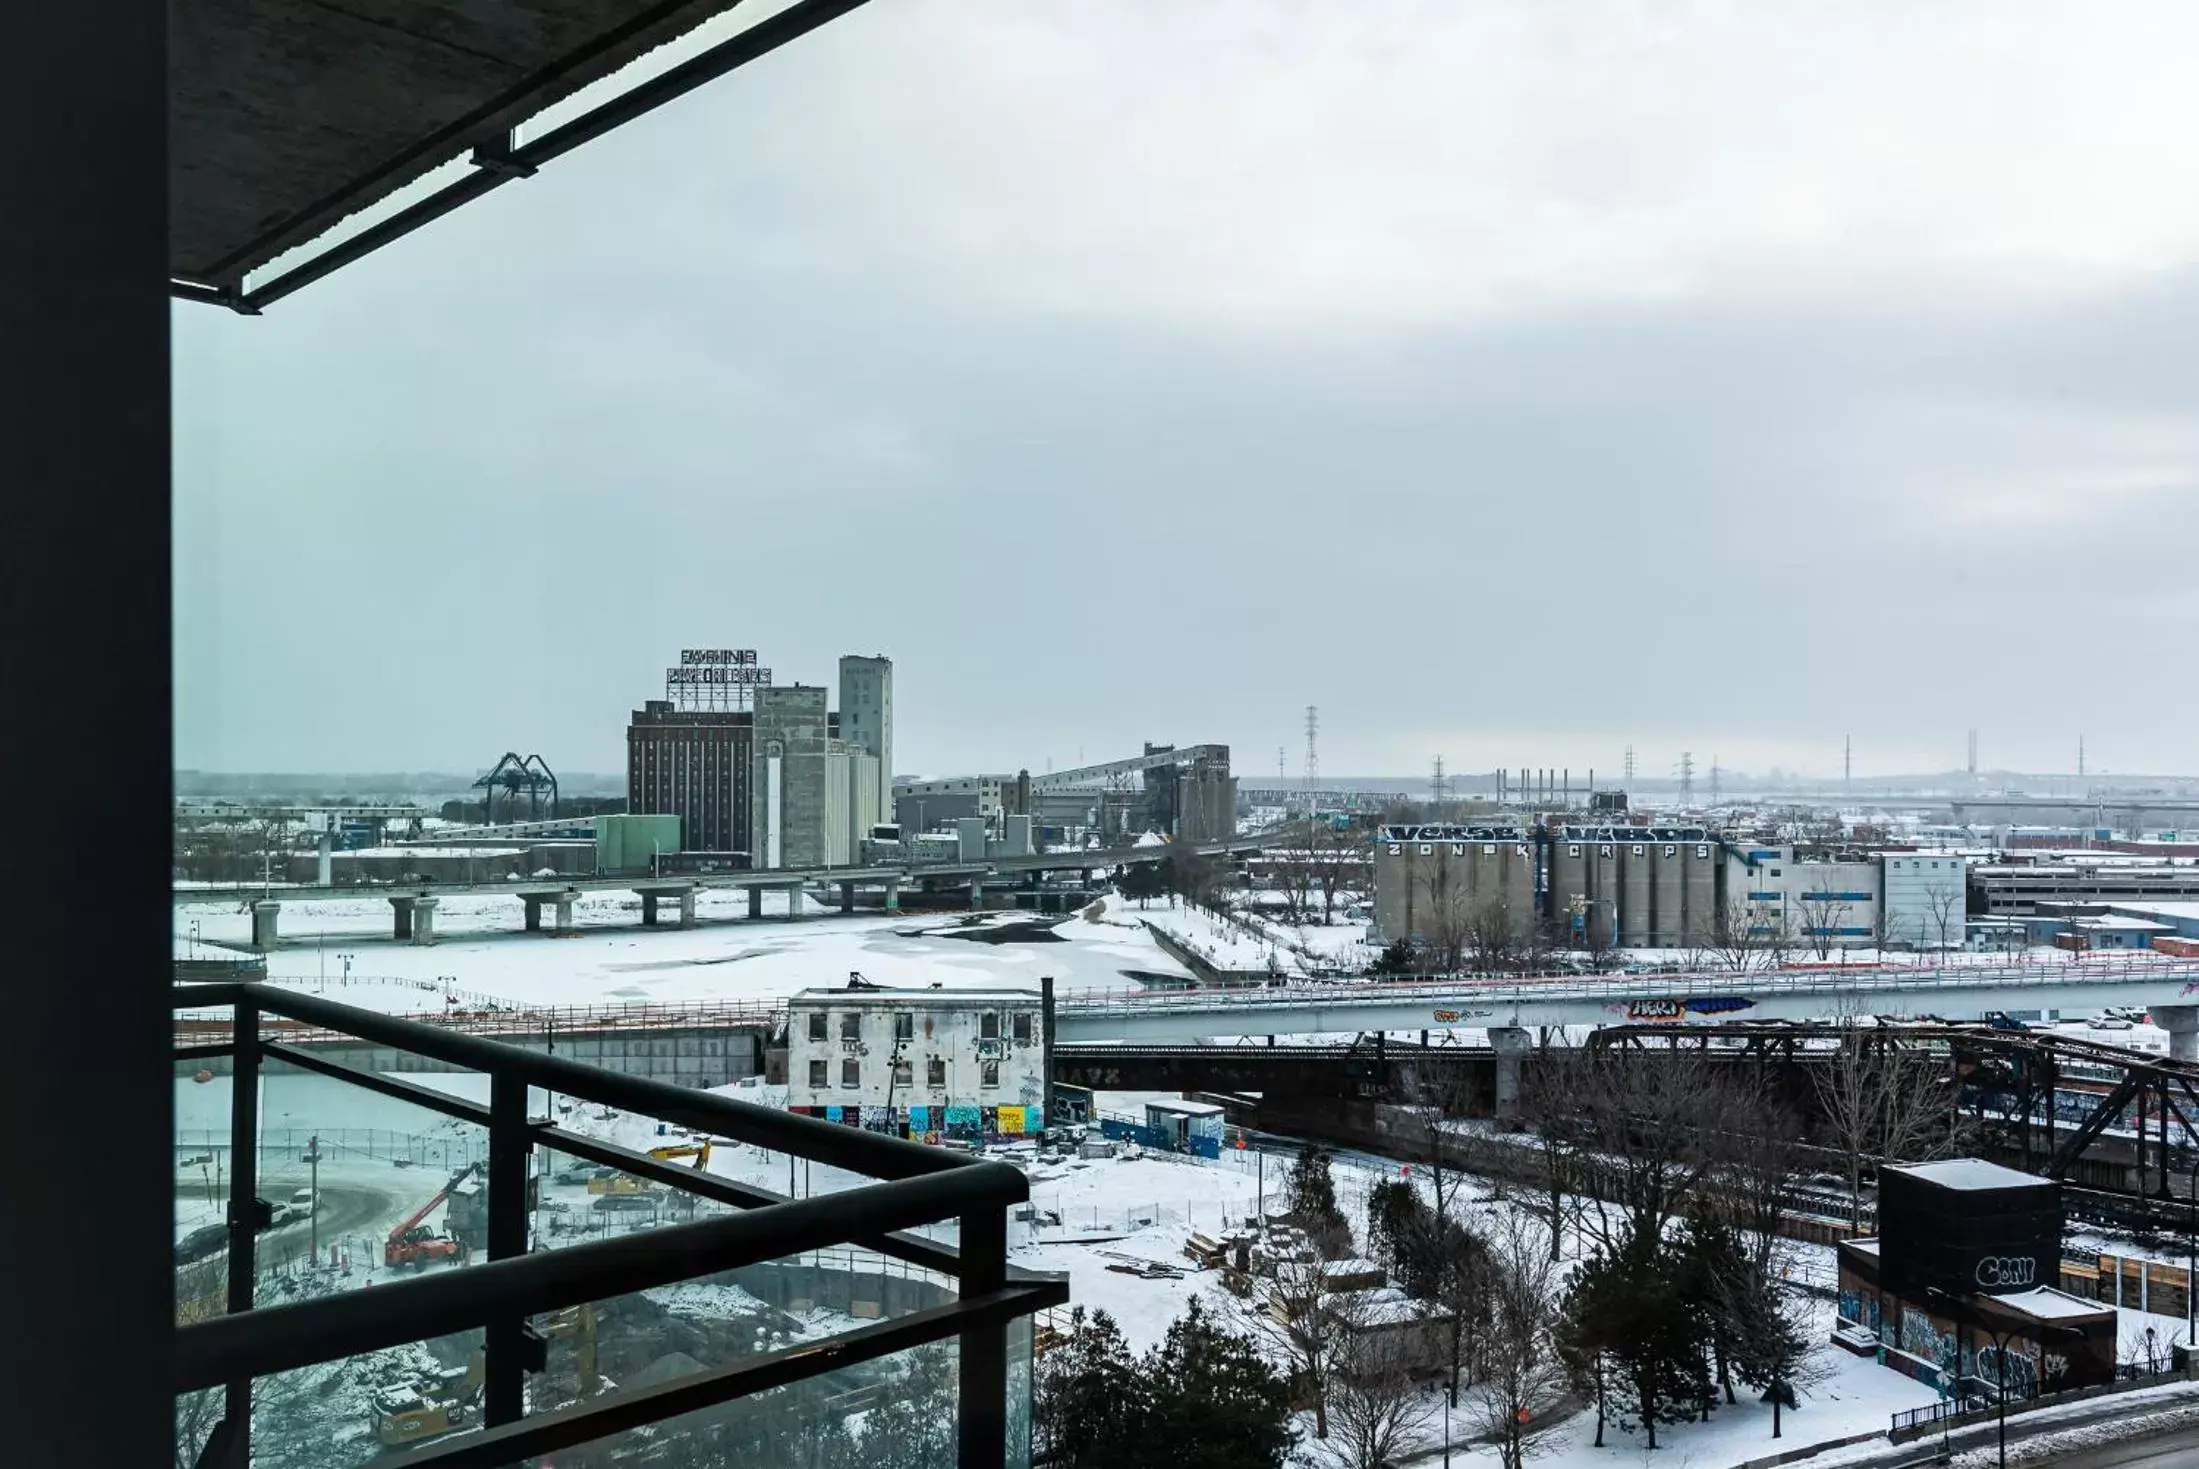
<point x="504" y="1398"/>
<point x="982" y="1427"/>
<point x="243" y="1205"/>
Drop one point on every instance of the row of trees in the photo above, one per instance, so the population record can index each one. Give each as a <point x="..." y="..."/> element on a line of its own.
<point x="1206" y="1397"/>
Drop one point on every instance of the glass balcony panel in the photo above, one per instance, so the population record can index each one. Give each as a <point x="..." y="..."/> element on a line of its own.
<point x="897" y="1412"/>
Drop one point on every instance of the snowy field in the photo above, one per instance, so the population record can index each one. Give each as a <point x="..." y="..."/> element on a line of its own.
<point x="483" y="953"/>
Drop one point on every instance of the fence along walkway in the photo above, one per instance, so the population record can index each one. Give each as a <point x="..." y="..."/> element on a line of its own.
<point x="514" y="1021"/>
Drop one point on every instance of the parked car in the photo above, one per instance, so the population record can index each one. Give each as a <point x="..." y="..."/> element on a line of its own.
<point x="618" y="1203"/>
<point x="2109" y="1022"/>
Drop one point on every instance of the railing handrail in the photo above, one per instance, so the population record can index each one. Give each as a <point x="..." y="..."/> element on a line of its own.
<point x="1549" y="987"/>
<point x="271" y="1339"/>
<point x="875" y="1154"/>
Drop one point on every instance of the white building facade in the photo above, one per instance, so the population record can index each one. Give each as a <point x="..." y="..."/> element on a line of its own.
<point x="928" y="1064"/>
<point x="1927" y="899"/>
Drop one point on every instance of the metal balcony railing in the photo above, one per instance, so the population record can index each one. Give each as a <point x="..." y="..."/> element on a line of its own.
<point x="901" y="1187"/>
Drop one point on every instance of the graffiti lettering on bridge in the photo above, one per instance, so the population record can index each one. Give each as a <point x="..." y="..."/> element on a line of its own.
<point x="1451" y="1017"/>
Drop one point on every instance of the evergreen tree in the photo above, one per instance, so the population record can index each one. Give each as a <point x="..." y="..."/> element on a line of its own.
<point x="1214" y="1399"/>
<point x="1628" y="1307"/>
<point x="1089" y="1399"/>
<point x="1311" y="1194"/>
<point x="1206" y="1397"/>
<point x="1143" y="881"/>
<point x="1398" y="957"/>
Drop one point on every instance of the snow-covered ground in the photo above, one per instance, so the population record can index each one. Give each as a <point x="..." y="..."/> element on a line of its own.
<point x="612" y="959"/>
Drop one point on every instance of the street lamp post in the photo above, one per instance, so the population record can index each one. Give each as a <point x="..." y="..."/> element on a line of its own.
<point x="2191" y="1263"/>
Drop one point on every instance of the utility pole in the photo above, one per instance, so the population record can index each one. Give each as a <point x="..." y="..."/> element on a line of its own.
<point x="1313" y="757"/>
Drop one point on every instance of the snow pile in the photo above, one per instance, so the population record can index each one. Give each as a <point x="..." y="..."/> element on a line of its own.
<point x="2047" y="1448"/>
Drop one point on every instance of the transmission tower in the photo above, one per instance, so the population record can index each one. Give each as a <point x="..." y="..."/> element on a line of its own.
<point x="1714" y="780"/>
<point x="1438" y="782"/>
<point x="1313" y="755"/>
<point x="1847" y="762"/>
<point x="1687" y="777"/>
<point x="1630" y="765"/>
<point x="2080" y="757"/>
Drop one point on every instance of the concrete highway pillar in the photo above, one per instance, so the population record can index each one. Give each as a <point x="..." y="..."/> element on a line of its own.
<point x="893" y="897"/>
<point x="423" y="920"/>
<point x="648" y="910"/>
<point x="1511" y="1042"/>
<point x="565" y="911"/>
<point x="687" y="909"/>
<point x="325" y="849"/>
<point x="977" y="893"/>
<point x="402" y="909"/>
<point x="794" y="901"/>
<point x="2182" y="1024"/>
<point x="755" y="902"/>
<point x="264" y="914"/>
<point x="534" y="913"/>
<point x="847" y="897"/>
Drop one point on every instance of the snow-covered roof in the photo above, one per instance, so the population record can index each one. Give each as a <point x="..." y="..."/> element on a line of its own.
<point x="2048" y="1304"/>
<point x="958" y="997"/>
<point x="1383" y="1306"/>
<point x="1184" y="1109"/>
<point x="1971" y="1173"/>
<point x="1338" y="1268"/>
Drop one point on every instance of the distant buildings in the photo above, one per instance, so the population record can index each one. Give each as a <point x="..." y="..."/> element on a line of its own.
<point x="763" y="775"/>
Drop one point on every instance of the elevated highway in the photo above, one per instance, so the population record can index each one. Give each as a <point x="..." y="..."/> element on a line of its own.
<point x="414" y="903"/>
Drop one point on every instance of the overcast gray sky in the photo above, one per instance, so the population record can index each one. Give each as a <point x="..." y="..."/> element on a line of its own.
<point x="1513" y="381"/>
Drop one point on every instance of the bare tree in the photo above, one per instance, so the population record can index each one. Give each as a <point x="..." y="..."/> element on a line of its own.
<point x="1948" y="908"/>
<point x="1492" y="939"/>
<point x="1822" y="915"/>
<point x="1747" y="938"/>
<point x="1547" y="1106"/>
<point x="1380" y="1414"/>
<point x="1525" y="1374"/>
<point x="1881" y="1101"/>
<point x="1299" y="1327"/>
<point x="1437" y="910"/>
<point x="1648" y="1120"/>
<point x="1335" y="855"/>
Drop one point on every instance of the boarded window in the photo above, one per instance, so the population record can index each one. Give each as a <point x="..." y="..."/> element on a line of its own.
<point x="817" y="1025"/>
<point x="1023" y="1028"/>
<point x="851" y="1072"/>
<point x="935" y="1071"/>
<point x="988" y="1026"/>
<point x="988" y="1073"/>
<point x="817" y="1077"/>
<point x="851" y="1027"/>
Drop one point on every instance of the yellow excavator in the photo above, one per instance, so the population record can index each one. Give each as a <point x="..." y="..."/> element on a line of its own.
<point x="700" y="1152"/>
<point x="626" y="1183"/>
<point x="404" y="1415"/>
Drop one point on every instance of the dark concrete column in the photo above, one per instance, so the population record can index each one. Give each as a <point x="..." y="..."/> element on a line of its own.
<point x="1511" y="1042"/>
<point x="687" y="909"/>
<point x="402" y="909"/>
<point x="534" y="913"/>
<point x="847" y="897"/>
<point x="648" y="910"/>
<point x="755" y="902"/>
